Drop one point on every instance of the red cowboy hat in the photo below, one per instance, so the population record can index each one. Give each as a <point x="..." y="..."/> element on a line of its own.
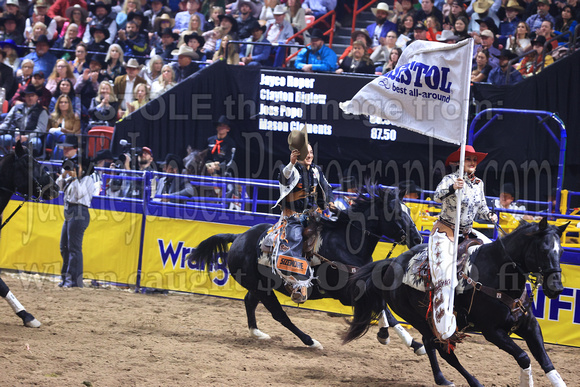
<point x="454" y="157"/>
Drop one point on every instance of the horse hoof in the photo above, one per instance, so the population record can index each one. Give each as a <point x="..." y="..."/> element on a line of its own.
<point x="30" y="321"/>
<point x="383" y="336"/>
<point x="258" y="334"/>
<point x="316" y="345"/>
<point x="418" y="348"/>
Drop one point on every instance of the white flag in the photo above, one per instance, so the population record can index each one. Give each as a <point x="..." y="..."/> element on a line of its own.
<point x="428" y="91"/>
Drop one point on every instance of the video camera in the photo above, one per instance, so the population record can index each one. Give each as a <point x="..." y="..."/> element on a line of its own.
<point x="71" y="165"/>
<point x="134" y="153"/>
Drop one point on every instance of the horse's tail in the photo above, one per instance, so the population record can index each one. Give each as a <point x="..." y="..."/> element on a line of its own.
<point x="209" y="250"/>
<point x="365" y="286"/>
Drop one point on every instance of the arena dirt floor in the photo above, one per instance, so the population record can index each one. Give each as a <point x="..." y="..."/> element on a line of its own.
<point x="114" y="337"/>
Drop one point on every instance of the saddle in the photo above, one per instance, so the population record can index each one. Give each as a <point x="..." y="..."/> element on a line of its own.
<point x="421" y="265"/>
<point x="310" y="235"/>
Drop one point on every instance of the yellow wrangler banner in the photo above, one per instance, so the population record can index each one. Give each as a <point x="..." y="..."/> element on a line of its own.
<point x="31" y="242"/>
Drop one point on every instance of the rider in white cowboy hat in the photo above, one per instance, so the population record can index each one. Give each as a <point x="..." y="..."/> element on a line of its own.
<point x="473" y="204"/>
<point x="378" y="31"/>
<point x="303" y="189"/>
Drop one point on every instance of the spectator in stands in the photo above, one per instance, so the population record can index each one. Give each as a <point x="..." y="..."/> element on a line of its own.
<point x="38" y="82"/>
<point x="361" y="35"/>
<point x="211" y="39"/>
<point x="29" y="117"/>
<point x="152" y="71"/>
<point x="162" y="22"/>
<point x="98" y="42"/>
<point x="10" y="29"/>
<point x="547" y="31"/>
<point x="317" y="57"/>
<point x="520" y="42"/>
<point x="128" y="7"/>
<point x="296" y="16"/>
<point x="229" y="26"/>
<point x="141" y="21"/>
<point x="76" y="15"/>
<point x="69" y="41"/>
<point x="254" y="55"/>
<point x="498" y="76"/>
<point x="245" y="18"/>
<point x="481" y="68"/>
<point x="43" y="60"/>
<point x="115" y="62"/>
<point x="318" y="8"/>
<point x="480" y="9"/>
<point x="227" y="52"/>
<point x="221" y="149"/>
<point x="267" y="12"/>
<point x="506" y="200"/>
<point x="393" y="60"/>
<point x="213" y="20"/>
<point x="167" y="45"/>
<point x="12" y="55"/>
<point x="101" y="17"/>
<point x="358" y="61"/>
<point x="40" y="15"/>
<point x="164" y="82"/>
<point x="26" y="71"/>
<point x="508" y="26"/>
<point x="401" y="10"/>
<point x="405" y="29"/>
<point x="196" y="42"/>
<point x="104" y="106"/>
<point x="382" y="52"/>
<point x="7" y="81"/>
<point x="141" y="98"/>
<point x="379" y="29"/>
<point x="194" y="27"/>
<point x="408" y="189"/>
<point x="125" y="84"/>
<point x="447" y="36"/>
<point x="535" y="21"/>
<point x="455" y="12"/>
<point x="79" y="185"/>
<point x="279" y="30"/>
<point x="460" y="28"/>
<point x="80" y="63"/>
<point x="487" y="23"/>
<point x="428" y="9"/>
<point x="66" y="87"/>
<point x="62" y="121"/>
<point x="433" y="28"/>
<point x="185" y="65"/>
<point x="419" y="32"/>
<point x="487" y="40"/>
<point x="182" y="18"/>
<point x="62" y="70"/>
<point x="533" y="63"/>
<point x="173" y="185"/>
<point x="12" y="13"/>
<point x="133" y="42"/>
<point x="38" y="30"/>
<point x="566" y="22"/>
<point x="158" y="9"/>
<point x="57" y="10"/>
<point x="87" y="84"/>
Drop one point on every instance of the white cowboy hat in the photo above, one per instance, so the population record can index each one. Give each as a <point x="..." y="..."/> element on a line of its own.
<point x="187" y="51"/>
<point x="381" y="7"/>
<point x="447" y="35"/>
<point x="280" y="9"/>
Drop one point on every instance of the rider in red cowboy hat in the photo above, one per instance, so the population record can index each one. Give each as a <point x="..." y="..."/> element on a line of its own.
<point x="473" y="204"/>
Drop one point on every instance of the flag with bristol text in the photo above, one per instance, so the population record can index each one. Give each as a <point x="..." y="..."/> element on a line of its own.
<point x="427" y="92"/>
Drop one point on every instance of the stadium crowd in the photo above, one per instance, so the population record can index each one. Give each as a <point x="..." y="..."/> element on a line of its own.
<point x="69" y="65"/>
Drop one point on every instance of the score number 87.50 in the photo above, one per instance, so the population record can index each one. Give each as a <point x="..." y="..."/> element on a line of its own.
<point x="383" y="134"/>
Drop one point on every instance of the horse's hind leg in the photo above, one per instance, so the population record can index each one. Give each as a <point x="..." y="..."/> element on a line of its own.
<point x="388" y="320"/>
<point x="251" y="302"/>
<point x="273" y="305"/>
<point x="26" y="317"/>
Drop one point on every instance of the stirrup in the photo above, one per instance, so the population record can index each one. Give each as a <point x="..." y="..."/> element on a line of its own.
<point x="299" y="295"/>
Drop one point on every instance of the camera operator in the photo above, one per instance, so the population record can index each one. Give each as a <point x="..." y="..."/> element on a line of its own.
<point x="136" y="159"/>
<point x="79" y="184"/>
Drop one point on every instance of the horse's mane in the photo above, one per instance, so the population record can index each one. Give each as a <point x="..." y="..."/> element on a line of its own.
<point x="372" y="195"/>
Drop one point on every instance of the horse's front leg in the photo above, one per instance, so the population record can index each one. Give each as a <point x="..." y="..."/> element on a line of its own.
<point x="27" y="319"/>
<point x="503" y="341"/>
<point x="532" y="333"/>
<point x="251" y="302"/>
<point x="453" y="361"/>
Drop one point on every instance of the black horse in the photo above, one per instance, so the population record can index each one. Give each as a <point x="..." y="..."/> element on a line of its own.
<point x="348" y="242"/>
<point x="499" y="271"/>
<point x="21" y="174"/>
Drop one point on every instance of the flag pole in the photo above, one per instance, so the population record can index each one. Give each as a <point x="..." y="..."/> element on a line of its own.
<point x="459" y="193"/>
